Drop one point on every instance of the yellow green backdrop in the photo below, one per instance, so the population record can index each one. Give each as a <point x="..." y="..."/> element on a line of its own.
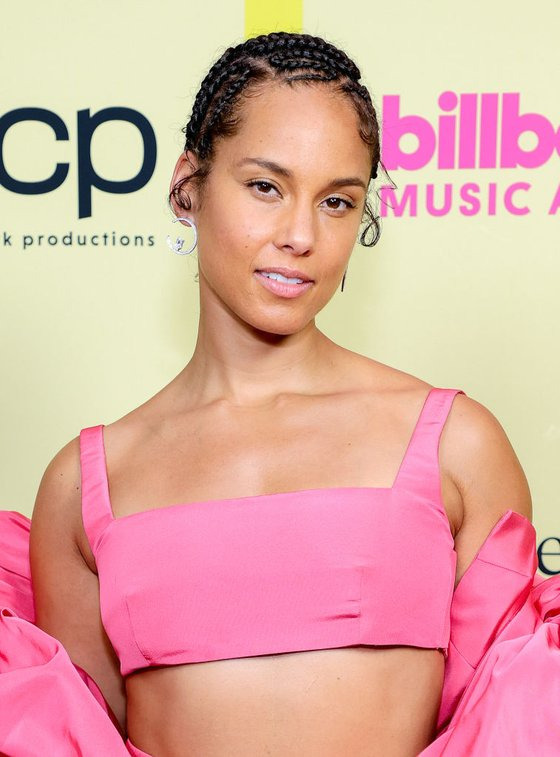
<point x="90" y="331"/>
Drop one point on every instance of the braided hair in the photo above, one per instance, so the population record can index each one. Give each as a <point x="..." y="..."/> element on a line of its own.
<point x="275" y="57"/>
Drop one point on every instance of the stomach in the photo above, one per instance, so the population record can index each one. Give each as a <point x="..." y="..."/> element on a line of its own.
<point x="362" y="701"/>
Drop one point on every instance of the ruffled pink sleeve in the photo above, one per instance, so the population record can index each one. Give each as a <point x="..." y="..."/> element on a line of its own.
<point x="48" y="705"/>
<point x="501" y="692"/>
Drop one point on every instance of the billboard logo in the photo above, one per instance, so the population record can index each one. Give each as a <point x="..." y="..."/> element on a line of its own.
<point x="472" y="132"/>
<point x="470" y="137"/>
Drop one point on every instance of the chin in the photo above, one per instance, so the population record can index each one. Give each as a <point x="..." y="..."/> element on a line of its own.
<point x="277" y="327"/>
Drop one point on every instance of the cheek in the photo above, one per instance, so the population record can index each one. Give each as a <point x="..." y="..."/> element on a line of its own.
<point x="228" y="251"/>
<point x="239" y="234"/>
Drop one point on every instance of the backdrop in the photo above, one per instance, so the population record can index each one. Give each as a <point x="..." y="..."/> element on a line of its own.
<point x="462" y="289"/>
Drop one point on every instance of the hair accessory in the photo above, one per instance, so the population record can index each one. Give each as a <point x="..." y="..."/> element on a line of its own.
<point x="343" y="280"/>
<point x="177" y="246"/>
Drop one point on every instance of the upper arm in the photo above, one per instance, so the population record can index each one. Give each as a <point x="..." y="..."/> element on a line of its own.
<point x="65" y="589"/>
<point x="487" y="473"/>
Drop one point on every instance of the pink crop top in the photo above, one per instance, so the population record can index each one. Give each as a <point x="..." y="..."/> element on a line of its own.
<point x="271" y="573"/>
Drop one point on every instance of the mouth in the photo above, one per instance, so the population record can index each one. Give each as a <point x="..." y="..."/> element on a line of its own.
<point x="285" y="275"/>
<point x="283" y="285"/>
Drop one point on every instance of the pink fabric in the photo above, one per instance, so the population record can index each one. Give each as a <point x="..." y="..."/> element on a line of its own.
<point x="134" y="749"/>
<point x="501" y="690"/>
<point x="501" y="693"/>
<point x="48" y="705"/>
<point x="311" y="569"/>
<point x="502" y="676"/>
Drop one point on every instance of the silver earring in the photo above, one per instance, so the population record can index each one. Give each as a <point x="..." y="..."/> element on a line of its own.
<point x="343" y="280"/>
<point x="177" y="246"/>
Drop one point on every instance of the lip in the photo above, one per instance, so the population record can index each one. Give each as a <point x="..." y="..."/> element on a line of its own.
<point x="281" y="289"/>
<point x="290" y="273"/>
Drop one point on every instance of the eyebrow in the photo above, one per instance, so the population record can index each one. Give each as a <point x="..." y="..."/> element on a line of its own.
<point x="270" y="165"/>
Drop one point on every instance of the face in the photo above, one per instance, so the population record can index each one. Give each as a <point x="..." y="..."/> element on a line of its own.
<point x="288" y="191"/>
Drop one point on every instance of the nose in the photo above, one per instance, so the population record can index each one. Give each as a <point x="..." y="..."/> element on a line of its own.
<point x="296" y="230"/>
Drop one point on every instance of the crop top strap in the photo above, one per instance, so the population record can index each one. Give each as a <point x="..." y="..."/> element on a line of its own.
<point x="96" y="505"/>
<point x="419" y="470"/>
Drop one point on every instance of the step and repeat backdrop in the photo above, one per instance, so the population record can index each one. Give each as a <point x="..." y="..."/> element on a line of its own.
<point x="97" y="313"/>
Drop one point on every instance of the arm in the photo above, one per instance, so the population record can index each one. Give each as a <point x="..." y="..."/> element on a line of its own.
<point x="65" y="588"/>
<point x="486" y="473"/>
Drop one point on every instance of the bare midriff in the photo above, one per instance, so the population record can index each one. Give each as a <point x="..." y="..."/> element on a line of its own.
<point x="362" y="701"/>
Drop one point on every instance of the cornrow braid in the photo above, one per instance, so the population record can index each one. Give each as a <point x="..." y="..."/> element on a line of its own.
<point x="275" y="57"/>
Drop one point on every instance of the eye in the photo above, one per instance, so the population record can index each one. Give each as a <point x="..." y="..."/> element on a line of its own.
<point x="265" y="188"/>
<point x="263" y="184"/>
<point x="339" y="199"/>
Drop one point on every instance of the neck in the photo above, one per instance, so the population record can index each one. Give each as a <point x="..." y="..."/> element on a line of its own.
<point x="244" y="366"/>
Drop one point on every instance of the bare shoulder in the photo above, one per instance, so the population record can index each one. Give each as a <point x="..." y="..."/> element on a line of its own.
<point x="380" y="379"/>
<point x="65" y="587"/>
<point x="58" y="502"/>
<point x="480" y="470"/>
<point x="480" y="473"/>
<point x="483" y="462"/>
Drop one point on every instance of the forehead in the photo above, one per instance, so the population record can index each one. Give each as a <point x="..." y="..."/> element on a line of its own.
<point x="300" y="125"/>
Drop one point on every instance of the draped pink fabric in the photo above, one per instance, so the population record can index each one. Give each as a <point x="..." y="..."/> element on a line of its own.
<point x="48" y="705"/>
<point x="501" y="691"/>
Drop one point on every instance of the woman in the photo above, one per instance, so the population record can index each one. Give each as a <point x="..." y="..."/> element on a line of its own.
<point x="260" y="559"/>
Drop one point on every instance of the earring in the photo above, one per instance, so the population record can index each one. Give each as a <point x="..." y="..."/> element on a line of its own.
<point x="343" y="280"/>
<point x="177" y="246"/>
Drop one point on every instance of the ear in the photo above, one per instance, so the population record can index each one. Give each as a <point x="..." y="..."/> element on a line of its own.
<point x="186" y="165"/>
